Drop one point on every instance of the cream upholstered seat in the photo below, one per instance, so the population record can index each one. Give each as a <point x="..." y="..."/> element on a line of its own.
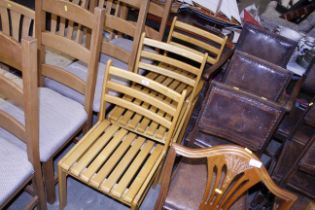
<point x="15" y="169"/>
<point x="59" y="118"/>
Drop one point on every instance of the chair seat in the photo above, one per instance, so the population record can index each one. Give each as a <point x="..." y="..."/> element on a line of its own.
<point x="114" y="161"/>
<point x="60" y="119"/>
<point x="188" y="196"/>
<point x="15" y="169"/>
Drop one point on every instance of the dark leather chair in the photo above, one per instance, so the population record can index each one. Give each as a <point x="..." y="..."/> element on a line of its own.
<point x="264" y="44"/>
<point x="218" y="177"/>
<point x="237" y="116"/>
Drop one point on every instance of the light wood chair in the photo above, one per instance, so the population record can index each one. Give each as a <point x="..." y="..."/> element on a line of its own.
<point x="19" y="166"/>
<point x="63" y="39"/>
<point x="17" y="21"/>
<point x="172" y="66"/>
<point x="196" y="39"/>
<point x="114" y="159"/>
<point x="229" y="172"/>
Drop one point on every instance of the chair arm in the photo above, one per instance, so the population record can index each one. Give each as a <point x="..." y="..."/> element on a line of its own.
<point x="227" y="53"/>
<point x="294" y="94"/>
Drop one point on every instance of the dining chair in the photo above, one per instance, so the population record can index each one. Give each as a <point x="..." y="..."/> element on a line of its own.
<point x="70" y="117"/>
<point x="177" y="68"/>
<point x="115" y="46"/>
<point x="114" y="159"/>
<point x="218" y="176"/>
<point x="19" y="160"/>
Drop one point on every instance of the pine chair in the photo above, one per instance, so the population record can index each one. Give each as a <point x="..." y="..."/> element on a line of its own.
<point x="115" y="46"/>
<point x="225" y="172"/>
<point x="196" y="39"/>
<point x="172" y="66"/>
<point x="19" y="164"/>
<point x="76" y="116"/>
<point x="114" y="159"/>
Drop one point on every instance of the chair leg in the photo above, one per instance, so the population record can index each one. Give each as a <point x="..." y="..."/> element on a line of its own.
<point x="39" y="187"/>
<point x="62" y="176"/>
<point x="49" y="179"/>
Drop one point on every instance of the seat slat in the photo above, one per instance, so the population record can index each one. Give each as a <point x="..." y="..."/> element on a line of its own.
<point x="79" y="149"/>
<point x="147" y="169"/>
<point x="120" y="188"/>
<point x="93" y="151"/>
<point x="123" y="164"/>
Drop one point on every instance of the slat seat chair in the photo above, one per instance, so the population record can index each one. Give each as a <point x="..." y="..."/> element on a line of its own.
<point x="70" y="117"/>
<point x="19" y="161"/>
<point x="196" y="39"/>
<point x="180" y="72"/>
<point x="114" y="46"/>
<point x="227" y="171"/>
<point x="118" y="161"/>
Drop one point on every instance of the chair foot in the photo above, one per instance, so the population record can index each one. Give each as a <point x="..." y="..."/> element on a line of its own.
<point x="39" y="188"/>
<point x="62" y="177"/>
<point x="49" y="179"/>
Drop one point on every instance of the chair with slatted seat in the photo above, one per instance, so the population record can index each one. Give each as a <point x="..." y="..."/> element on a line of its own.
<point x="172" y="66"/>
<point x="196" y="39"/>
<point x="116" y="160"/>
<point x="19" y="161"/>
<point x="224" y="174"/>
<point x="76" y="117"/>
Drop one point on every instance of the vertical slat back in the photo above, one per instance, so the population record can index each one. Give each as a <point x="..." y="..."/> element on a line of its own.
<point x="57" y="38"/>
<point x="17" y="20"/>
<point x="196" y="39"/>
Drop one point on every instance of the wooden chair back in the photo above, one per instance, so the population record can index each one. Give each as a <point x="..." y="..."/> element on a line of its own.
<point x="160" y="14"/>
<point x="117" y="24"/>
<point x="232" y="170"/>
<point x="174" y="64"/>
<point x="63" y="39"/>
<point x="17" y="21"/>
<point x="23" y="57"/>
<point x="195" y="39"/>
<point x="162" y="111"/>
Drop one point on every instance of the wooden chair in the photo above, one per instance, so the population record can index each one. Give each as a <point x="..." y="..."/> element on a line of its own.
<point x="115" y="45"/>
<point x="179" y="71"/>
<point x="115" y="159"/>
<point x="19" y="166"/>
<point x="17" y="21"/>
<point x="196" y="39"/>
<point x="227" y="173"/>
<point x="76" y="116"/>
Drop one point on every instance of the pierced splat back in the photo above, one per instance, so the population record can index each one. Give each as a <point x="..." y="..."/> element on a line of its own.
<point x="229" y="176"/>
<point x="17" y="21"/>
<point x="232" y="170"/>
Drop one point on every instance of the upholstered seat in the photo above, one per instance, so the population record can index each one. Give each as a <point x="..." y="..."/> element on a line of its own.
<point x="80" y="70"/>
<point x="60" y="118"/>
<point x="15" y="169"/>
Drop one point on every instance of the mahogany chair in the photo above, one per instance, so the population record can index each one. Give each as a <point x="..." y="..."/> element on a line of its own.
<point x="196" y="39"/>
<point x="19" y="160"/>
<point x="266" y="45"/>
<point x="114" y="159"/>
<point x="70" y="117"/>
<point x="176" y="68"/>
<point x="224" y="174"/>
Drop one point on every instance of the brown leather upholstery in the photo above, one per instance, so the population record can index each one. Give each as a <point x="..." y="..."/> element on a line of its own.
<point x="307" y="162"/>
<point x="310" y="116"/>
<point x="309" y="84"/>
<point x="240" y="117"/>
<point x="188" y="196"/>
<point x="266" y="45"/>
<point x="257" y="76"/>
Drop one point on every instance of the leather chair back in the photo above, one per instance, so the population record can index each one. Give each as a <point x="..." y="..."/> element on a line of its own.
<point x="240" y="117"/>
<point x="266" y="45"/>
<point x="257" y="76"/>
